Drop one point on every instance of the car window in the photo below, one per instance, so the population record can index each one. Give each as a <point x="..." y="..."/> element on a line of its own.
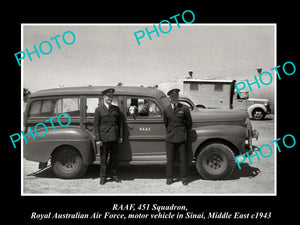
<point x="42" y="108"/>
<point x="54" y="107"/>
<point x="93" y="102"/>
<point x="242" y="95"/>
<point x="69" y="105"/>
<point x="194" y="87"/>
<point x="218" y="88"/>
<point x="142" y="107"/>
<point x="91" y="105"/>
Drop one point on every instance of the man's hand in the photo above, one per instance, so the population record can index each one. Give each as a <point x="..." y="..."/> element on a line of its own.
<point x="120" y="140"/>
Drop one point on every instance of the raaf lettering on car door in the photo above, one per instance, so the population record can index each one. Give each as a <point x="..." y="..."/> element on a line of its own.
<point x="145" y="129"/>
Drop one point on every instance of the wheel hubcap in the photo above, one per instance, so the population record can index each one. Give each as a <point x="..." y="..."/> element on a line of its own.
<point x="68" y="160"/>
<point x="215" y="161"/>
<point x="258" y="114"/>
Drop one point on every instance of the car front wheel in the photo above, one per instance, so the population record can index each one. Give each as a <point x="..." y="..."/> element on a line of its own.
<point x="67" y="163"/>
<point x="215" y="161"/>
<point x="258" y="114"/>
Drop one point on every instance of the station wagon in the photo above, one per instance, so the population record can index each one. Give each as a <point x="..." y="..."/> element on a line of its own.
<point x="217" y="136"/>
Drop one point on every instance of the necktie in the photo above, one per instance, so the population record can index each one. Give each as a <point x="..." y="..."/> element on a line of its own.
<point x="174" y="106"/>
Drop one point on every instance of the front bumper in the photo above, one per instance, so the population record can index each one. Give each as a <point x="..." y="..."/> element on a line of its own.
<point x="250" y="147"/>
<point x="250" y="134"/>
<point x="268" y="109"/>
<point x="255" y="134"/>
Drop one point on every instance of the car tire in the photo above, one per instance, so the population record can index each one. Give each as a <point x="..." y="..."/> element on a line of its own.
<point x="67" y="163"/>
<point x="215" y="161"/>
<point x="258" y="114"/>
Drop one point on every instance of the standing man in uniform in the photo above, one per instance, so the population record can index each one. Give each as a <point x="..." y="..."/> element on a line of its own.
<point x="108" y="128"/>
<point x="178" y="121"/>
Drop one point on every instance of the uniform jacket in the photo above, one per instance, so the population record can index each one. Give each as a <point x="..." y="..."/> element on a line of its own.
<point x="177" y="123"/>
<point x="108" y="123"/>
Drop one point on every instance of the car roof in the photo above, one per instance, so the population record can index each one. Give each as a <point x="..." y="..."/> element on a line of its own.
<point x="96" y="90"/>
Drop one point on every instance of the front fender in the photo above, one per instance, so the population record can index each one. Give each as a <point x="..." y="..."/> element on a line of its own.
<point x="41" y="148"/>
<point x="235" y="135"/>
<point x="254" y="106"/>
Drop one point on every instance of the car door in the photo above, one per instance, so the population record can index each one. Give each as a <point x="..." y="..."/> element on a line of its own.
<point x="144" y="134"/>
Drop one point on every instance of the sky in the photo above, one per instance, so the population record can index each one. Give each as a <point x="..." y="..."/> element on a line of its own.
<point x="106" y="54"/>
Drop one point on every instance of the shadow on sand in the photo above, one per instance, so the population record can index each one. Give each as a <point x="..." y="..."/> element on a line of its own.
<point x="150" y="171"/>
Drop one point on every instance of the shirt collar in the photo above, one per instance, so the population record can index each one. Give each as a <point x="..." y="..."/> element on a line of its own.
<point x="173" y="105"/>
<point x="106" y="105"/>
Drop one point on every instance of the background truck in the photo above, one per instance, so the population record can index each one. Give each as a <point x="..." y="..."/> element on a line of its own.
<point x="218" y="94"/>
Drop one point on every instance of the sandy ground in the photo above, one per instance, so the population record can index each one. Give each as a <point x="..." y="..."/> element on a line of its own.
<point x="141" y="179"/>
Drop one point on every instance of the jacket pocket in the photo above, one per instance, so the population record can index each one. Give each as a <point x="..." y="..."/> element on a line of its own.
<point x="181" y="131"/>
<point x="104" y="129"/>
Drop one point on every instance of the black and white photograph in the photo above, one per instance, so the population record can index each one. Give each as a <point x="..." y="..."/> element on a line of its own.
<point x="173" y="115"/>
<point x="206" y="63"/>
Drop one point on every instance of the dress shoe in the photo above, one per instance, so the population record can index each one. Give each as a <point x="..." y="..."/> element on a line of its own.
<point x="115" y="178"/>
<point x="169" y="181"/>
<point x="185" y="183"/>
<point x="103" y="181"/>
<point x="185" y="180"/>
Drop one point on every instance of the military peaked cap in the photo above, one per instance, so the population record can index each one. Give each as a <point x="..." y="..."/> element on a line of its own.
<point x="173" y="91"/>
<point x="108" y="91"/>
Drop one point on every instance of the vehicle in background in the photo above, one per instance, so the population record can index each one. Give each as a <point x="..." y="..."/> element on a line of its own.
<point x="257" y="108"/>
<point x="218" y="94"/>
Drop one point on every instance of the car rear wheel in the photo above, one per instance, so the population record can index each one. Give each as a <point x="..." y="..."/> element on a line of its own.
<point x="215" y="161"/>
<point x="67" y="163"/>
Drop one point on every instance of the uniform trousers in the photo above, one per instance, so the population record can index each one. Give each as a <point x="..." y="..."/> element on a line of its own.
<point x="173" y="149"/>
<point x="108" y="159"/>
